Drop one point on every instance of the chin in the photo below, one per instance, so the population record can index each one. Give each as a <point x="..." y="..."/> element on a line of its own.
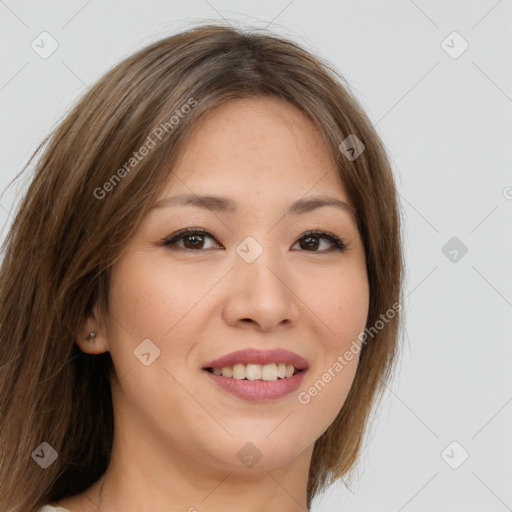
<point x="250" y="451"/>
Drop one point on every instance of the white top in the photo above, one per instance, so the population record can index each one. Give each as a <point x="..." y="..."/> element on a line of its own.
<point x="49" y="508"/>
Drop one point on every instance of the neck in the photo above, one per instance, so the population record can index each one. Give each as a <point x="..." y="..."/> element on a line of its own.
<point x="140" y="484"/>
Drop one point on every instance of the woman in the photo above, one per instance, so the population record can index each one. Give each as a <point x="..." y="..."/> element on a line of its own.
<point x="200" y="289"/>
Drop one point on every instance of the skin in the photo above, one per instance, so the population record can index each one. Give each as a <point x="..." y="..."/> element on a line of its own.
<point x="177" y="433"/>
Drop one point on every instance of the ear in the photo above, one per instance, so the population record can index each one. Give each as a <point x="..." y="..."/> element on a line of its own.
<point x="91" y="323"/>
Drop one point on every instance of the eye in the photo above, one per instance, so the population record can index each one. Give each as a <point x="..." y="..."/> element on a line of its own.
<point x="310" y="241"/>
<point x="194" y="239"/>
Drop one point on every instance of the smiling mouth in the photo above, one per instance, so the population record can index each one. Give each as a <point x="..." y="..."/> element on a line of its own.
<point x="255" y="372"/>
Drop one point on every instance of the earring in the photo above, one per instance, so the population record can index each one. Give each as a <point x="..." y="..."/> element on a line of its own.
<point x="92" y="335"/>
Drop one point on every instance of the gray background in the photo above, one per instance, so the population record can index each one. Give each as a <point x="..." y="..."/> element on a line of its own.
<point x="447" y="125"/>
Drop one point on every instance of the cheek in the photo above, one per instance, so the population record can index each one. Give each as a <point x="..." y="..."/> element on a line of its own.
<point x="339" y="302"/>
<point x="151" y="301"/>
<point x="340" y="305"/>
<point x="142" y="306"/>
<point x="150" y="297"/>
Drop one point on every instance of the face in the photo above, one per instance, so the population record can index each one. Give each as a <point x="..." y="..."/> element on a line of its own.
<point x="249" y="276"/>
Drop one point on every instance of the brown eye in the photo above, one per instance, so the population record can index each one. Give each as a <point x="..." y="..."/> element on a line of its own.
<point x="192" y="238"/>
<point x="193" y="241"/>
<point x="312" y="241"/>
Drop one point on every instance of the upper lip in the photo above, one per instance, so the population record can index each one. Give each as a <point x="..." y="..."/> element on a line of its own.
<point x="255" y="356"/>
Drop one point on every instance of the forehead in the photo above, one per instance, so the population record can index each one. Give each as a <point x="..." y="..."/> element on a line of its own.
<point x="257" y="146"/>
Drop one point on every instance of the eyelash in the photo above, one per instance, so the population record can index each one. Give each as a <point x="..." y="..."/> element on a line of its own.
<point x="338" y="243"/>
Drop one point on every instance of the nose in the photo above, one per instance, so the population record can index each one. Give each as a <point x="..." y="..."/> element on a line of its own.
<point x="260" y="295"/>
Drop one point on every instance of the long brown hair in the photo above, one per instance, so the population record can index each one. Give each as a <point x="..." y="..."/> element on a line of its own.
<point x="81" y="208"/>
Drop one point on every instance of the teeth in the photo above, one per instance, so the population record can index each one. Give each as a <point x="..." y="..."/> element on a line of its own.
<point x="253" y="372"/>
<point x="250" y="371"/>
<point x="239" y="371"/>
<point x="269" y="372"/>
<point x="227" y="371"/>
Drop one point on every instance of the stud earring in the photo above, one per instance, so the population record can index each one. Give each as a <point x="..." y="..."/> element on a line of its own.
<point x="92" y="335"/>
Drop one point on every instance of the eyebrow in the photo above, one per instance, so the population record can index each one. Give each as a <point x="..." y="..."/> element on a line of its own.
<point x="224" y="204"/>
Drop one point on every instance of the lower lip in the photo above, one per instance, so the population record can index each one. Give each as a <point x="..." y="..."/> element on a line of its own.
<point x="255" y="390"/>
